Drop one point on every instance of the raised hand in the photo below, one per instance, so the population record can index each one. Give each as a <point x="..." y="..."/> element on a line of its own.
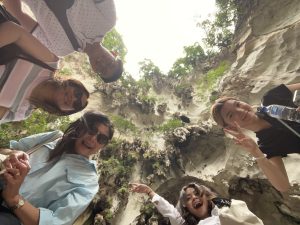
<point x="13" y="178"/>
<point x="241" y="139"/>
<point x="141" y="188"/>
<point x="14" y="158"/>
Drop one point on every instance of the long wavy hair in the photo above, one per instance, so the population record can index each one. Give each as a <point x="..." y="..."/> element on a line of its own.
<point x="78" y="129"/>
<point x="189" y="218"/>
<point x="51" y="106"/>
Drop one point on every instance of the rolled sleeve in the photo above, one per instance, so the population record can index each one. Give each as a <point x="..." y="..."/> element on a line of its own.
<point x="29" y="142"/>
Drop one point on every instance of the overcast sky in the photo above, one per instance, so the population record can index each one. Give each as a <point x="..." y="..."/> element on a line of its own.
<point x="158" y="29"/>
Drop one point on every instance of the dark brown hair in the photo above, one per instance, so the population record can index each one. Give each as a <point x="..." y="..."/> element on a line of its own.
<point x="77" y="129"/>
<point x="56" y="83"/>
<point x="189" y="218"/>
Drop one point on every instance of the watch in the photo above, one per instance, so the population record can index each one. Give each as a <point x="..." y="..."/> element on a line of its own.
<point x="20" y="203"/>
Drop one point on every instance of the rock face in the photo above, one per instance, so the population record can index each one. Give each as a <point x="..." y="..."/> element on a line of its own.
<point x="266" y="48"/>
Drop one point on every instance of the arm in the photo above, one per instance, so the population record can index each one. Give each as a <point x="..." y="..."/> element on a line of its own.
<point x="273" y="168"/>
<point x="11" y="33"/>
<point x="162" y="205"/>
<point x="293" y="87"/>
<point x="14" y="177"/>
<point x="15" y="8"/>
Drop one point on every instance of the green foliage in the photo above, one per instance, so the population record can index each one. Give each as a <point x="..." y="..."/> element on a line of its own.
<point x="219" y="33"/>
<point x="148" y="208"/>
<point x="123" y="125"/>
<point x="66" y="71"/>
<point x="181" y="87"/>
<point x="209" y="80"/>
<point x="148" y="69"/>
<point x="114" y="42"/>
<point x="143" y="85"/>
<point x="170" y="125"/>
<point x="183" y="66"/>
<point x="148" y="99"/>
<point x="38" y="122"/>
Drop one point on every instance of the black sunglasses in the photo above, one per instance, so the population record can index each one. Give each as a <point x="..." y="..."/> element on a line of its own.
<point x="102" y="139"/>
<point x="77" y="104"/>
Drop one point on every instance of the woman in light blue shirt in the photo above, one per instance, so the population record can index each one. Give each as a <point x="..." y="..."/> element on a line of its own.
<point x="62" y="180"/>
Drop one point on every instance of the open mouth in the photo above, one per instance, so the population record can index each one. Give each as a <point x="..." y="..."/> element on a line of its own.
<point x="197" y="204"/>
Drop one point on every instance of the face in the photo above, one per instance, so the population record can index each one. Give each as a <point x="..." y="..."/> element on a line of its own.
<point x="196" y="203"/>
<point x="103" y="61"/>
<point x="92" y="141"/>
<point x="237" y="111"/>
<point x="69" y="98"/>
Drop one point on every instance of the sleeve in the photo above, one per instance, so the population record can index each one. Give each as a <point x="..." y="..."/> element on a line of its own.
<point x="64" y="211"/>
<point x="167" y="210"/>
<point x="29" y="142"/>
<point x="213" y="220"/>
<point x="279" y="95"/>
<point x="238" y="214"/>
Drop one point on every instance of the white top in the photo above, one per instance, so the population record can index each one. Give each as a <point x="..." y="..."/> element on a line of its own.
<point x="168" y="210"/>
<point x="237" y="214"/>
<point x="90" y="20"/>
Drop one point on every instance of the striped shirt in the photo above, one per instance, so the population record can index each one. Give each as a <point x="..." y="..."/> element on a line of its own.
<point x="14" y="95"/>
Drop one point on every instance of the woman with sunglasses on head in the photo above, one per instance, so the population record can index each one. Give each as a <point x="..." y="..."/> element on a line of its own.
<point x="275" y="140"/>
<point x="58" y="181"/>
<point x="27" y="78"/>
<point x="199" y="205"/>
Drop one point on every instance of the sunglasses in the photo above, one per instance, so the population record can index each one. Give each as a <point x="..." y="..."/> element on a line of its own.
<point x="77" y="104"/>
<point x="102" y="139"/>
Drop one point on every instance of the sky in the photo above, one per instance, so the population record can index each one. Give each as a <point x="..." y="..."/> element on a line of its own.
<point x="159" y="29"/>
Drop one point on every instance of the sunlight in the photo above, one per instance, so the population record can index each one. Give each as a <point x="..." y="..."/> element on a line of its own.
<point x="158" y="29"/>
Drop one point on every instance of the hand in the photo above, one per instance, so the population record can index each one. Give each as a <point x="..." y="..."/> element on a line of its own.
<point x="14" y="158"/>
<point x="141" y="188"/>
<point x="298" y="109"/>
<point x="241" y="139"/>
<point x="13" y="178"/>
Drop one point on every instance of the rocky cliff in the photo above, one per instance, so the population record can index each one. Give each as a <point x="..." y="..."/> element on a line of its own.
<point x="170" y="139"/>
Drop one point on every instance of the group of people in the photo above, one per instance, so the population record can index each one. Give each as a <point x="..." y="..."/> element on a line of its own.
<point x="56" y="182"/>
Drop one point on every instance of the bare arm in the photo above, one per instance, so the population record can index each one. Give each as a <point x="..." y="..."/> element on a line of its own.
<point x="12" y="33"/>
<point x="14" y="177"/>
<point x="293" y="87"/>
<point x="15" y="8"/>
<point x="273" y="168"/>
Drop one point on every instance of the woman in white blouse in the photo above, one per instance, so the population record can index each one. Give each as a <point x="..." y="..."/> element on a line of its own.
<point x="198" y="205"/>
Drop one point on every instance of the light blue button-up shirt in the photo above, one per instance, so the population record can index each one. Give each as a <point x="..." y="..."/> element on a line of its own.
<point x="62" y="189"/>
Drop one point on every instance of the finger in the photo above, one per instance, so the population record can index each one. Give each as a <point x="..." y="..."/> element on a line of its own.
<point x="231" y="132"/>
<point x="25" y="156"/>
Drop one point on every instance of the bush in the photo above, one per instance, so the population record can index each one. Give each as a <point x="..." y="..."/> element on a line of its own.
<point x="38" y="122"/>
<point x="210" y="79"/>
<point x="170" y="125"/>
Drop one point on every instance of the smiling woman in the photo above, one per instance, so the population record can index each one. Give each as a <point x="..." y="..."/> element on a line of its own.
<point x="199" y="205"/>
<point x="65" y="178"/>
<point x="275" y="140"/>
<point x="29" y="68"/>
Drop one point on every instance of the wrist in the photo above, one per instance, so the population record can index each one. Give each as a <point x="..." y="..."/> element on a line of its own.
<point x="150" y="193"/>
<point x="12" y="201"/>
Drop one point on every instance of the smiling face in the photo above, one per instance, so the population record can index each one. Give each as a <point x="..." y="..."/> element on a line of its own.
<point x="70" y="98"/>
<point x="90" y="143"/>
<point x="197" y="203"/>
<point x="238" y="111"/>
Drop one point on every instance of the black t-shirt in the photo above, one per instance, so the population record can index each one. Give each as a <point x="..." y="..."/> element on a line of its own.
<point x="278" y="140"/>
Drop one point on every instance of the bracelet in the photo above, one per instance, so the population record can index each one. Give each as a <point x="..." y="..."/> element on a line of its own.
<point x="148" y="193"/>
<point x="261" y="157"/>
